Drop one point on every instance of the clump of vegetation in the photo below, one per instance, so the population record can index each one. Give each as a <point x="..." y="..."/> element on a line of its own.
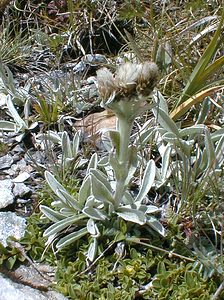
<point x="141" y="219"/>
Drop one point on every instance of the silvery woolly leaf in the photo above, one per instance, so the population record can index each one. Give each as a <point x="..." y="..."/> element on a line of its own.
<point x="94" y="213"/>
<point x="156" y="225"/>
<point x="165" y="121"/>
<point x="101" y="177"/>
<point x="209" y="149"/>
<point x="160" y="100"/>
<point x="165" y="163"/>
<point x="75" y="144"/>
<point x="215" y="136"/>
<point x="66" y="145"/>
<point x="50" y="136"/>
<point x="193" y="130"/>
<point x="84" y="191"/>
<point x="204" y="111"/>
<point x="70" y="238"/>
<point x="144" y="136"/>
<point x="100" y="190"/>
<point x="92" y="162"/>
<point x="51" y="214"/>
<point x="8" y="126"/>
<point x="92" y="228"/>
<point x="170" y="137"/>
<point x="92" y="251"/>
<point x="131" y="215"/>
<point x="128" y="199"/>
<point x="148" y="180"/>
<point x="219" y="151"/>
<point x="103" y="162"/>
<point x="69" y="199"/>
<point x="53" y="183"/>
<point x="60" y="225"/>
<point x="151" y="209"/>
<point x="132" y="163"/>
<point x="21" y="124"/>
<point x="116" y="166"/>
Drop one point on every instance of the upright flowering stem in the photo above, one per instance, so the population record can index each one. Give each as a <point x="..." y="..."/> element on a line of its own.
<point x="125" y="94"/>
<point x="124" y="129"/>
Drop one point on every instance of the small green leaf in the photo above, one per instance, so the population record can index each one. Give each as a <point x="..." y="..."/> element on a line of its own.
<point x="161" y="268"/>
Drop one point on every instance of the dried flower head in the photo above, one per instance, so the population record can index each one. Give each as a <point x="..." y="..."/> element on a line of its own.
<point x="106" y="83"/>
<point x="131" y="79"/>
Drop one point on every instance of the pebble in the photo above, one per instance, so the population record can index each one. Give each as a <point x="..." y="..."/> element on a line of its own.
<point x="6" y="161"/>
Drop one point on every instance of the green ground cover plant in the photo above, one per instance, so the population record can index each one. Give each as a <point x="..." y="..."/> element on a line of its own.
<point x="144" y="220"/>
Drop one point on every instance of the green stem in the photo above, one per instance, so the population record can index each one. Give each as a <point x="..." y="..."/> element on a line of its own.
<point x="124" y="128"/>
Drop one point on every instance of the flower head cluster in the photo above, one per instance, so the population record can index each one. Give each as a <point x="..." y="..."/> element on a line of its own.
<point x="131" y="79"/>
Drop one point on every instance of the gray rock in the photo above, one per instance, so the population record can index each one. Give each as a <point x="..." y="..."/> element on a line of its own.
<point x="21" y="190"/>
<point x="15" y="291"/>
<point x="11" y="225"/>
<point x="6" y="161"/>
<point x="6" y="195"/>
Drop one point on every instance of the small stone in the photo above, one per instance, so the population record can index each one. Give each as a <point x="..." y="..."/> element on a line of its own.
<point x="80" y="67"/>
<point x="6" y="161"/>
<point x="18" y="149"/>
<point x="95" y="59"/>
<point x="11" y="225"/>
<point x="22" y="177"/>
<point x="21" y="190"/>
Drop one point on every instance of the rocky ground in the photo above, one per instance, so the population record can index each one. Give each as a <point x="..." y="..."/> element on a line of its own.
<point x="22" y="162"/>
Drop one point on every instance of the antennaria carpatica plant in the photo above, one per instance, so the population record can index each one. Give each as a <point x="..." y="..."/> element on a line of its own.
<point x="104" y="197"/>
